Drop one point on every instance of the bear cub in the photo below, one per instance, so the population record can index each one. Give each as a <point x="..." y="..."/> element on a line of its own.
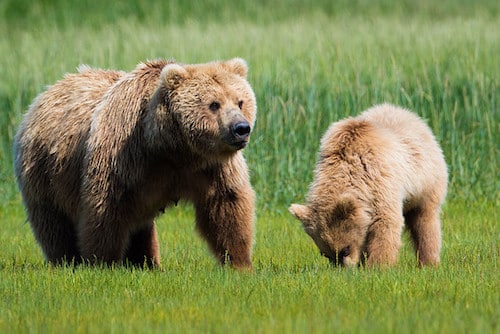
<point x="376" y="173"/>
<point x="101" y="153"/>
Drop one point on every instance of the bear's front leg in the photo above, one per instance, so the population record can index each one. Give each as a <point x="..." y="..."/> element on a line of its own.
<point x="384" y="240"/>
<point x="225" y="219"/>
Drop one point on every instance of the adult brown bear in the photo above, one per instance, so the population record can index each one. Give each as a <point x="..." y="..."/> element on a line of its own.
<point x="100" y="153"/>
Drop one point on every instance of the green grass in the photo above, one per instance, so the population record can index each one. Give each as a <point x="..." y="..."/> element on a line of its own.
<point x="291" y="290"/>
<point x="309" y="65"/>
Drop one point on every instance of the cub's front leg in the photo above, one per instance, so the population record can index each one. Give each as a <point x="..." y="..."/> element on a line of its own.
<point x="384" y="239"/>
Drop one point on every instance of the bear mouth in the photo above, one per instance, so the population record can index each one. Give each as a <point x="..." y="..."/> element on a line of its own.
<point x="238" y="145"/>
<point x="235" y="144"/>
<point x="341" y="258"/>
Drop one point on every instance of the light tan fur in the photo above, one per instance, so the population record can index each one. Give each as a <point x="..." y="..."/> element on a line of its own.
<point x="375" y="173"/>
<point x="101" y="153"/>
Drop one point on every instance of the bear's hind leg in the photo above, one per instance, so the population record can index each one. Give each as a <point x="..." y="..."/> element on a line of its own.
<point x="103" y="242"/>
<point x="425" y="230"/>
<point x="143" y="248"/>
<point x="55" y="233"/>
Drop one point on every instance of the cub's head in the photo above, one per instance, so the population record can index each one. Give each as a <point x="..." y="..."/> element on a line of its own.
<point x="339" y="230"/>
<point x="212" y="104"/>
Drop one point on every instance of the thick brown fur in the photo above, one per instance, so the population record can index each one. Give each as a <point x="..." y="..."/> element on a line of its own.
<point x="376" y="172"/>
<point x="100" y="153"/>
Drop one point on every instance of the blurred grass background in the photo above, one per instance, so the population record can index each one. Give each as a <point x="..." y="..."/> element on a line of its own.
<point x="310" y="64"/>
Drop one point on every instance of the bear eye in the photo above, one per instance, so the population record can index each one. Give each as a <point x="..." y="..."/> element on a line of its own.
<point x="240" y="104"/>
<point x="214" y="106"/>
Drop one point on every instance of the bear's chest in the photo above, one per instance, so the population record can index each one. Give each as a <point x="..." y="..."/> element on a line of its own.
<point x="164" y="185"/>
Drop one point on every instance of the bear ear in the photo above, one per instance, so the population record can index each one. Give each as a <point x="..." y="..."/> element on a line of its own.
<point x="301" y="212"/>
<point x="346" y="206"/>
<point x="173" y="75"/>
<point x="237" y="66"/>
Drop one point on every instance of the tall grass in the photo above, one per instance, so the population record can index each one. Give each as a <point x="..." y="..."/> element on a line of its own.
<point x="307" y="71"/>
<point x="310" y="64"/>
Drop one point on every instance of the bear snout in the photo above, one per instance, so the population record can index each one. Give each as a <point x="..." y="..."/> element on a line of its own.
<point x="240" y="131"/>
<point x="341" y="258"/>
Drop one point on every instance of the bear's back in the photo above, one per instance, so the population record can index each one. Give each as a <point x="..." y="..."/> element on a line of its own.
<point x="66" y="108"/>
<point x="411" y="150"/>
<point x="385" y="147"/>
<point x="49" y="146"/>
<point x="403" y="123"/>
<point x="406" y="136"/>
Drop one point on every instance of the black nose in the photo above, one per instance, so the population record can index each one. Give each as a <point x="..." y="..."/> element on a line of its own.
<point x="334" y="260"/>
<point x="338" y="258"/>
<point x="241" y="130"/>
<point x="346" y="251"/>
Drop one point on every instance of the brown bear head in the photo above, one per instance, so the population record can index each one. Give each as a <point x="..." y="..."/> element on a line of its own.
<point x="338" y="229"/>
<point x="212" y="105"/>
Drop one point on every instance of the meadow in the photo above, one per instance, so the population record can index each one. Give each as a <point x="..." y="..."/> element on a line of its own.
<point x="310" y="64"/>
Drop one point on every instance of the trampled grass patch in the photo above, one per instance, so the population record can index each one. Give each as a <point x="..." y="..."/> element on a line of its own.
<point x="309" y="65"/>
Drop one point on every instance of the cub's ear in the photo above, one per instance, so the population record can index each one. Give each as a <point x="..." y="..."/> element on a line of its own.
<point x="346" y="206"/>
<point x="237" y="66"/>
<point x="172" y="76"/>
<point x="301" y="212"/>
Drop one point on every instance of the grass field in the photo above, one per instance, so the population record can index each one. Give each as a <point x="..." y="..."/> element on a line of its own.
<point x="310" y="64"/>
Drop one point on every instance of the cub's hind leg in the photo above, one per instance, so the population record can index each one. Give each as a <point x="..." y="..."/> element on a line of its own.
<point x="424" y="225"/>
